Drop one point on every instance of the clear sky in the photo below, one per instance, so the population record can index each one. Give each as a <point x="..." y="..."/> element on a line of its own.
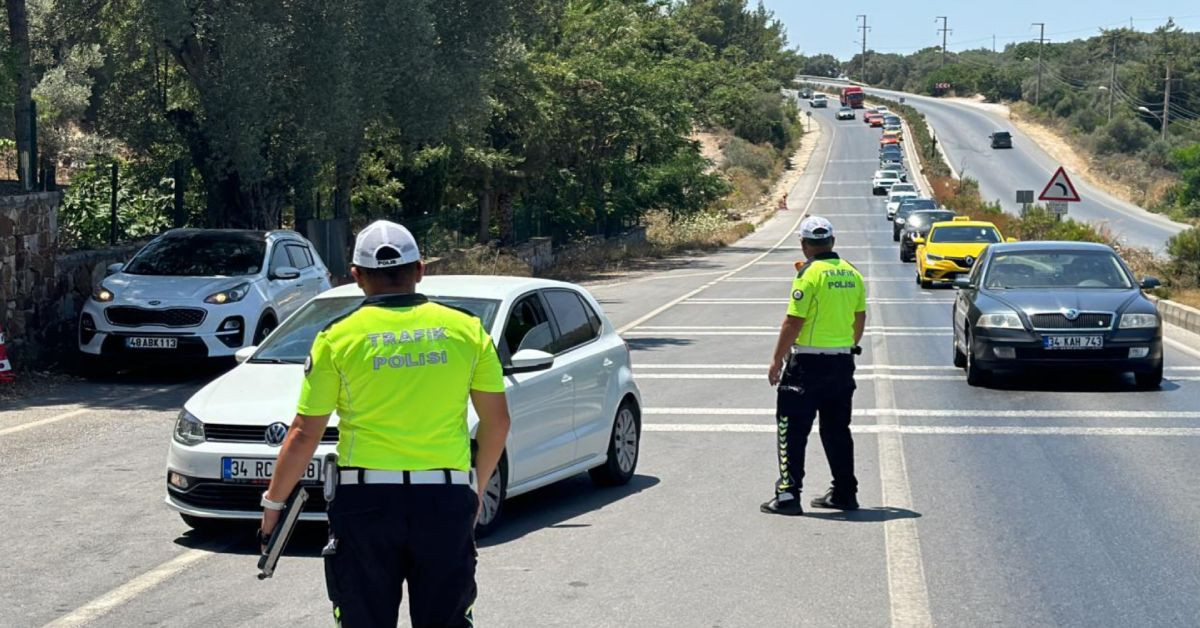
<point x="902" y="27"/>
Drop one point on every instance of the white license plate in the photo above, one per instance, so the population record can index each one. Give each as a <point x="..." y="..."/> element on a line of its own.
<point x="1073" y="342"/>
<point x="141" y="342"/>
<point x="261" y="469"/>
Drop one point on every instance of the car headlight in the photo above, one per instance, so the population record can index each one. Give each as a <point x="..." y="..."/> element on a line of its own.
<point x="231" y="295"/>
<point x="930" y="257"/>
<point x="1003" y="320"/>
<point x="1139" y="321"/>
<point x="188" y="429"/>
<point x="102" y="295"/>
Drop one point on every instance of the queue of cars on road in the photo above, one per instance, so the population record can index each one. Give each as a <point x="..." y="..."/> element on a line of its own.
<point x="1021" y="305"/>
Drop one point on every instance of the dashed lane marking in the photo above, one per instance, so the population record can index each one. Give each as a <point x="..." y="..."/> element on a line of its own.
<point x="935" y="430"/>
<point x="931" y="413"/>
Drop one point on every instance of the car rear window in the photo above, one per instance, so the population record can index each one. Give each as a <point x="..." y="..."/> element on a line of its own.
<point x="965" y="234"/>
<point x="200" y="254"/>
<point x="1057" y="269"/>
<point x="926" y="218"/>
<point x="1001" y="135"/>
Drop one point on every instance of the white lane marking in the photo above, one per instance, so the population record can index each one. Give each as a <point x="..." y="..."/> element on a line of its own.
<point x="856" y="263"/>
<point x="776" y="333"/>
<point x="98" y="607"/>
<point x="938" y="430"/>
<point x="1192" y="351"/>
<point x="930" y="413"/>
<point x="854" y="161"/>
<point x="860" y="367"/>
<point x="784" y="301"/>
<point x="768" y="328"/>
<point x="844" y="198"/>
<point x="80" y="412"/>
<point x="787" y="236"/>
<point x="788" y="280"/>
<point x="907" y="588"/>
<point x="862" y="376"/>
<point x="859" y="247"/>
<point x="655" y="277"/>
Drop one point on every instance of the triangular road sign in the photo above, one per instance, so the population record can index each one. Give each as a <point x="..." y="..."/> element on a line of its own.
<point x="1059" y="188"/>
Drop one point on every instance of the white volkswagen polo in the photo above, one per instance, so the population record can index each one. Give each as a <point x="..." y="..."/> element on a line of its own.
<point x="575" y="406"/>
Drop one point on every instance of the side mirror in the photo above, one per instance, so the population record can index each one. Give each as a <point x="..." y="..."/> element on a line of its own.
<point x="285" y="272"/>
<point x="529" y="361"/>
<point x="113" y="269"/>
<point x="1010" y="240"/>
<point x="243" y="354"/>
<point x="1150" y="283"/>
<point x="962" y="283"/>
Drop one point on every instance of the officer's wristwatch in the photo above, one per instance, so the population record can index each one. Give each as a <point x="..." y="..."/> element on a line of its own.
<point x="270" y="505"/>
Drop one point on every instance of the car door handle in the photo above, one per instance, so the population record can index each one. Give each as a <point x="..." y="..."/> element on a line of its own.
<point x="567" y="379"/>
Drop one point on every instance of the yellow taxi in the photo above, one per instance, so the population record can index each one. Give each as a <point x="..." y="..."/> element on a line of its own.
<point x="952" y="247"/>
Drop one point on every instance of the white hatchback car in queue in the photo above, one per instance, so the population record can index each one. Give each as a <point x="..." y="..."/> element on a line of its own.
<point x="575" y="406"/>
<point x="199" y="293"/>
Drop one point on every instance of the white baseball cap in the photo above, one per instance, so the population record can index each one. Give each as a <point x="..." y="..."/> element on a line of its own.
<point x="379" y="237"/>
<point x="815" y="228"/>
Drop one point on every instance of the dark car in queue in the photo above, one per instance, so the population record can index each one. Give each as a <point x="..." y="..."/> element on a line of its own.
<point x="908" y="206"/>
<point x="1059" y="305"/>
<point x="1001" y="139"/>
<point x="916" y="225"/>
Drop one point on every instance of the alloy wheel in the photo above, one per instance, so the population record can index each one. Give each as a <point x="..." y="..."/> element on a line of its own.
<point x="625" y="440"/>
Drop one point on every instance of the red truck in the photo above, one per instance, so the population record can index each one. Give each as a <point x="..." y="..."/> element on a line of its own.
<point x="853" y="97"/>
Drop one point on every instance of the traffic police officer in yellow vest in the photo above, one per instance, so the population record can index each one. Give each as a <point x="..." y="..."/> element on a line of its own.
<point x="398" y="370"/>
<point x="813" y="367"/>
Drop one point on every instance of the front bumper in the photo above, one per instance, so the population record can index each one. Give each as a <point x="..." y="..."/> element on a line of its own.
<point x="208" y="496"/>
<point x="942" y="270"/>
<point x="97" y="336"/>
<point x="1026" y="351"/>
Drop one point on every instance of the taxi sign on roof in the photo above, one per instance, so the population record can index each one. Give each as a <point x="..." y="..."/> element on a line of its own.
<point x="1059" y="188"/>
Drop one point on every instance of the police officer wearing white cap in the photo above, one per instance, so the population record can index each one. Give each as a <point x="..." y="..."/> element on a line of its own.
<point x="398" y="371"/>
<point x="813" y="367"/>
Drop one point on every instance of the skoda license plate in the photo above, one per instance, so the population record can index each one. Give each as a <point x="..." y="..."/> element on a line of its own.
<point x="261" y="469"/>
<point x="141" y="342"/>
<point x="1073" y="342"/>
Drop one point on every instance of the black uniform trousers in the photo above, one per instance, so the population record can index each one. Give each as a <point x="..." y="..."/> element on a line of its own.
<point x="815" y="384"/>
<point x="383" y="535"/>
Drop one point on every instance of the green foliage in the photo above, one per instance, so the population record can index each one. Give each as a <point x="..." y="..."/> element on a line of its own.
<point x="1186" y="161"/>
<point x="757" y="160"/>
<point x="1122" y="135"/>
<point x="84" y="218"/>
<point x="1184" y="249"/>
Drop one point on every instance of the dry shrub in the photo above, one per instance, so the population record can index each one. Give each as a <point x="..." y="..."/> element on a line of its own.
<point x="704" y="230"/>
<point x="479" y="260"/>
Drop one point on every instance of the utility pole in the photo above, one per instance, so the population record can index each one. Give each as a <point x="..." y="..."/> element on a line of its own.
<point x="1037" y="94"/>
<point x="993" y="44"/>
<point x="943" y="30"/>
<point x="1167" y="96"/>
<point x="864" y="28"/>
<point x="1112" y="79"/>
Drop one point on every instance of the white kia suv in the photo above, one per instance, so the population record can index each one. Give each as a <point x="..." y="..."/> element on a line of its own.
<point x="199" y="293"/>
<point x="575" y="406"/>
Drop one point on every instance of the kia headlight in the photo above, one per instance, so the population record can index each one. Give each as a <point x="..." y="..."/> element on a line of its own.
<point x="1139" y="321"/>
<point x="188" y="429"/>
<point x="1002" y="320"/>
<point x="231" y="295"/>
<point x="102" y="295"/>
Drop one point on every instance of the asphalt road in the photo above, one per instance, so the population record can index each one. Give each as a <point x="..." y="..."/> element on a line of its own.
<point x="963" y="131"/>
<point x="1054" y="500"/>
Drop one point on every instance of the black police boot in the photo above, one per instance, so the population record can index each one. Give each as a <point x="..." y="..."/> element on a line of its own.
<point x="835" y="501"/>
<point x="786" y="504"/>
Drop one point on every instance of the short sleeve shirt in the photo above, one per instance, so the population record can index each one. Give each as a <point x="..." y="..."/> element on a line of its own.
<point x="398" y="371"/>
<point x="827" y="293"/>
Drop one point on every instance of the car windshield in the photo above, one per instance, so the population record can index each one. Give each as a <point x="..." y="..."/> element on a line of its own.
<point x="965" y="234"/>
<point x="1057" y="269"/>
<point x="200" y="254"/>
<point x="923" y="219"/>
<point x="291" y="343"/>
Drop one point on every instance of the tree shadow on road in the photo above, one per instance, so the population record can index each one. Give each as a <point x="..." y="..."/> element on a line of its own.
<point x="550" y="506"/>
<point x="240" y="537"/>
<point x="878" y="514"/>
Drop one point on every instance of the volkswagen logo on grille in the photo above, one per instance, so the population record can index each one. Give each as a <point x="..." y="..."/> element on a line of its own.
<point x="1071" y="314"/>
<point x="275" y="434"/>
